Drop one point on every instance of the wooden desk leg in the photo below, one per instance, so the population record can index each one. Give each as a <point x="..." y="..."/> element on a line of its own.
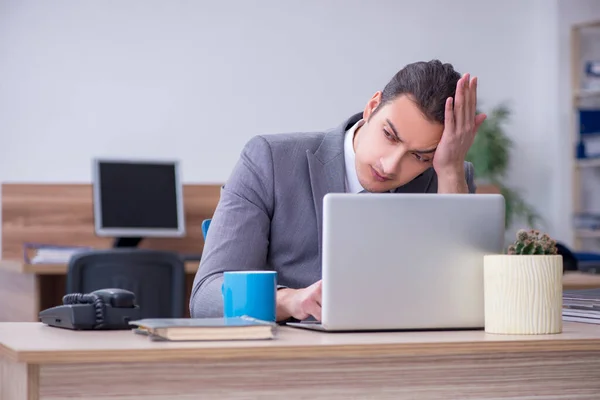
<point x="19" y="296"/>
<point x="19" y="381"/>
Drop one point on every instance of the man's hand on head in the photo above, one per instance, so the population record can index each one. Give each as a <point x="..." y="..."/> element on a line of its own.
<point x="460" y="127"/>
<point x="299" y="303"/>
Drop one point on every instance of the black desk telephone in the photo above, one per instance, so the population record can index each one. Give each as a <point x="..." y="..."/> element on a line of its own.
<point x="108" y="309"/>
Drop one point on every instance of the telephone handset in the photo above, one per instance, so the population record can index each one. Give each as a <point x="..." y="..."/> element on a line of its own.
<point x="102" y="309"/>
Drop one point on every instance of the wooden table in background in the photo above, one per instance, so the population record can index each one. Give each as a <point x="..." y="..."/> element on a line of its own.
<point x="26" y="289"/>
<point x="62" y="215"/>
<point x="41" y="362"/>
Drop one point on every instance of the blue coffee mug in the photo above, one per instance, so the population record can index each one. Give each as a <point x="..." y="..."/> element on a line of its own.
<point x="250" y="293"/>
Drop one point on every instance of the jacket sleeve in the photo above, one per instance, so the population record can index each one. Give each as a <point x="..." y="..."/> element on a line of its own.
<point x="470" y="176"/>
<point x="432" y="184"/>
<point x="238" y="237"/>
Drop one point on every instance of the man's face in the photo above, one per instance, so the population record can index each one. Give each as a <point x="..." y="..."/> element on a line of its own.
<point x="395" y="144"/>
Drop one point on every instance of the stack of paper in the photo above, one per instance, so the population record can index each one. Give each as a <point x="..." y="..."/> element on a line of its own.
<point x="54" y="256"/>
<point x="44" y="253"/>
<point x="582" y="306"/>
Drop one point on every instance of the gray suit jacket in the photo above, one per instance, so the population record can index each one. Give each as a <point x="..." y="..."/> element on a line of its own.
<point x="269" y="213"/>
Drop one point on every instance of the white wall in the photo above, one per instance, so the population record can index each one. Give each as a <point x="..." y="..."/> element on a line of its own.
<point x="195" y="80"/>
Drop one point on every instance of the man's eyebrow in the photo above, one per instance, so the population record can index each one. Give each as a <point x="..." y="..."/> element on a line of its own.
<point x="427" y="151"/>
<point x="393" y="128"/>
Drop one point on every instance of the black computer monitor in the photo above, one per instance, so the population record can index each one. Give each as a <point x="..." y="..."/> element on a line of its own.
<point x="137" y="199"/>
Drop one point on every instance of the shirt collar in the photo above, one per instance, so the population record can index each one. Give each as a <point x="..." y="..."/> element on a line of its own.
<point x="352" y="183"/>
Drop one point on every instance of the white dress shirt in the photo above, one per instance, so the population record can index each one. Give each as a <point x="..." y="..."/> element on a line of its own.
<point x="352" y="183"/>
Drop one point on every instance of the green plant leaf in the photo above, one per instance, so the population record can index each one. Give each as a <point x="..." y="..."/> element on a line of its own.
<point x="517" y="207"/>
<point x="490" y="156"/>
<point x="490" y="152"/>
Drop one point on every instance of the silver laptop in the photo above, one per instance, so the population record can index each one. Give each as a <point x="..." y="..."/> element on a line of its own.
<point x="406" y="261"/>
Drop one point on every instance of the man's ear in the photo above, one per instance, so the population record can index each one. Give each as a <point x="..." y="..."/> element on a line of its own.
<point x="372" y="105"/>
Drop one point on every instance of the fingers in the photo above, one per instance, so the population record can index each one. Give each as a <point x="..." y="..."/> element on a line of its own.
<point x="318" y="291"/>
<point x="473" y="108"/>
<point x="459" y="104"/>
<point x="449" y="115"/>
<point x="479" y="120"/>
<point x="315" y="310"/>
<point x="311" y="302"/>
<point x="468" y="101"/>
<point x="317" y="296"/>
<point x="310" y="306"/>
<point x="465" y="105"/>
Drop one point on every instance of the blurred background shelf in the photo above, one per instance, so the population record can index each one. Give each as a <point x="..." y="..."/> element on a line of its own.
<point x="585" y="114"/>
<point x="587" y="233"/>
<point x="588" y="163"/>
<point x="587" y="93"/>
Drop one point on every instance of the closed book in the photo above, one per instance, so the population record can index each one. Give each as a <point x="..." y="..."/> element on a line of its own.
<point x="185" y="329"/>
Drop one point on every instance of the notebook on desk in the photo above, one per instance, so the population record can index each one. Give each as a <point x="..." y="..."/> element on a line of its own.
<point x="194" y="329"/>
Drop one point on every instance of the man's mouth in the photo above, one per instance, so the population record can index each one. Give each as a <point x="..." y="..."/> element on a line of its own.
<point x="378" y="176"/>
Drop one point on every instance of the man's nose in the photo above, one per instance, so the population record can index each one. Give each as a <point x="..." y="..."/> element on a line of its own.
<point x="391" y="162"/>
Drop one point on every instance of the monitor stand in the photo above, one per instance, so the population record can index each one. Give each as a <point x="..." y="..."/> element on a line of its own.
<point x="127" y="242"/>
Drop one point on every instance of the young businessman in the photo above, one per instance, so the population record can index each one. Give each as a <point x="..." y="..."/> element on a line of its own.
<point x="412" y="137"/>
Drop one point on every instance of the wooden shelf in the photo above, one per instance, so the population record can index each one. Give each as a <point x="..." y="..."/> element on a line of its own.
<point x="587" y="233"/>
<point x="588" y="163"/>
<point x="61" y="269"/>
<point x="587" y="24"/>
<point x="587" y="93"/>
<point x="578" y="99"/>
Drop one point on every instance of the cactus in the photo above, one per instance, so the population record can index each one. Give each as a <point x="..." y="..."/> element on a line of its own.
<point x="532" y="242"/>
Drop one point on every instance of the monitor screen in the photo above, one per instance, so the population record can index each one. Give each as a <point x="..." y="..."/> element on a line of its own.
<point x="137" y="198"/>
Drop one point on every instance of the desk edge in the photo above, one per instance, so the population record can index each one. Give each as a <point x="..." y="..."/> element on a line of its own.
<point x="304" y="352"/>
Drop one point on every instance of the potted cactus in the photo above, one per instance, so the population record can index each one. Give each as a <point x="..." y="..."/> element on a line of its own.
<point x="523" y="288"/>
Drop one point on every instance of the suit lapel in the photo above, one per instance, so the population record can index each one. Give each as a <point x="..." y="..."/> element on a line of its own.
<point x="325" y="178"/>
<point x="420" y="184"/>
<point x="327" y="170"/>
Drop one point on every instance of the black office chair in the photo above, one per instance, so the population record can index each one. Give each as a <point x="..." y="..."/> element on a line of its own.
<point x="157" y="278"/>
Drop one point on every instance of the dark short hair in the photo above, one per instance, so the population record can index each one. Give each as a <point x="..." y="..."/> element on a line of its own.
<point x="428" y="83"/>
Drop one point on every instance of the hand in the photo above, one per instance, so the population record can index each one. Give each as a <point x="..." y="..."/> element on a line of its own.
<point x="460" y="127"/>
<point x="299" y="303"/>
